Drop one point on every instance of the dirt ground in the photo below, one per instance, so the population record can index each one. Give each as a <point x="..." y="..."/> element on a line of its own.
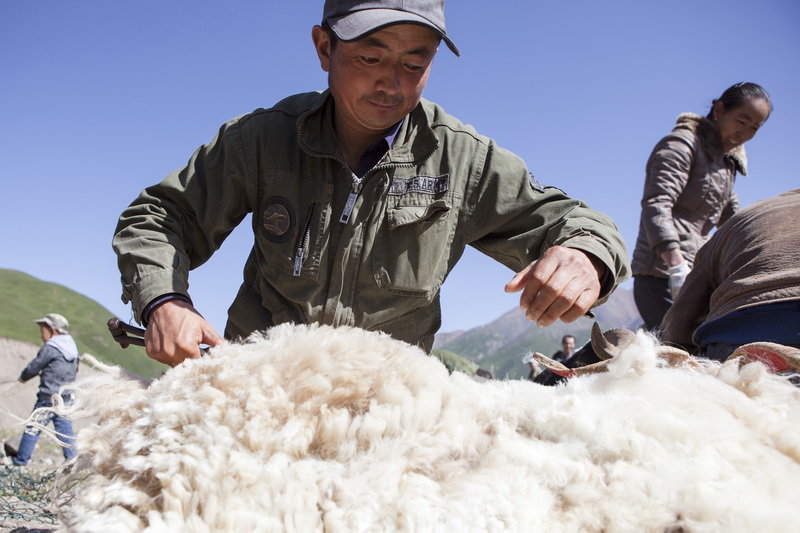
<point x="16" y="403"/>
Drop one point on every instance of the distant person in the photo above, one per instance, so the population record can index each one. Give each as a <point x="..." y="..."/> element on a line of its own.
<point x="745" y="284"/>
<point x="363" y="198"/>
<point x="485" y="374"/>
<point x="56" y="364"/>
<point x="567" y="350"/>
<point x="688" y="190"/>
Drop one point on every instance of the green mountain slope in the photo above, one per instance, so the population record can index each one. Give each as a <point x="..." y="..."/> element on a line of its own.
<point x="454" y="362"/>
<point x="24" y="298"/>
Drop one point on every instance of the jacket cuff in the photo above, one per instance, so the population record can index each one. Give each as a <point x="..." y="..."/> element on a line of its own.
<point x="609" y="274"/>
<point x="152" y="285"/>
<point x="666" y="246"/>
<point x="161" y="300"/>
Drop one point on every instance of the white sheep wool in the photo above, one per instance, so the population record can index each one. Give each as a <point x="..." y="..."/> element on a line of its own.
<point x="308" y="428"/>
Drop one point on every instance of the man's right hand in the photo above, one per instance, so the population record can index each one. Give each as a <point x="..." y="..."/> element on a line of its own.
<point x="175" y="332"/>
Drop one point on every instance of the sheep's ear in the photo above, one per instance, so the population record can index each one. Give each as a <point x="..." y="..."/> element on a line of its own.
<point x="552" y="365"/>
<point x="565" y="372"/>
<point x="675" y="356"/>
<point x="594" y="368"/>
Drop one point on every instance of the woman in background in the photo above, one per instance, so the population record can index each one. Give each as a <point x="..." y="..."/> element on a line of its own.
<point x="688" y="190"/>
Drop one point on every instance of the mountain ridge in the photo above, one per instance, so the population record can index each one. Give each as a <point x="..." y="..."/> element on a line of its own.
<point x="499" y="345"/>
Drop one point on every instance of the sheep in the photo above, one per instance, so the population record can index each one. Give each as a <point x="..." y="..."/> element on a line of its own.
<point x="314" y="428"/>
<point x="596" y="355"/>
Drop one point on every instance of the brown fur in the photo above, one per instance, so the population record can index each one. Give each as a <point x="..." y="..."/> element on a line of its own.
<point x="708" y="134"/>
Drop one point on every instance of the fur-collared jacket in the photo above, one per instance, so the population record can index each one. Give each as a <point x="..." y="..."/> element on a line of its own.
<point x="688" y="190"/>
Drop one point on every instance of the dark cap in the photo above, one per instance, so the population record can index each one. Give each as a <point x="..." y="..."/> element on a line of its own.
<point x="351" y="20"/>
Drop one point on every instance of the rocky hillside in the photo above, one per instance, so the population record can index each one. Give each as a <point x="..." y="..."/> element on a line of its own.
<point x="500" y="345"/>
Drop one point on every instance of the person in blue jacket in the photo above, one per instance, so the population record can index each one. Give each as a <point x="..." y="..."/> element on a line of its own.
<point x="56" y="364"/>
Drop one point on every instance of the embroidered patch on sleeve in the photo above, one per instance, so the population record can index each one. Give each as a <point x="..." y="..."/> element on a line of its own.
<point x="421" y="184"/>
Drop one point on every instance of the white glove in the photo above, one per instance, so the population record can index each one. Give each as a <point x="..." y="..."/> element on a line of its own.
<point x="677" y="275"/>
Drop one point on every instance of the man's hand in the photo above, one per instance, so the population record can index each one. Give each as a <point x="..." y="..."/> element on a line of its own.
<point x="175" y="332"/>
<point x="562" y="284"/>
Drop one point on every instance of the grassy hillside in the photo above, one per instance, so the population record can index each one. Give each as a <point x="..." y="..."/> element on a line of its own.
<point x="454" y="362"/>
<point x="24" y="298"/>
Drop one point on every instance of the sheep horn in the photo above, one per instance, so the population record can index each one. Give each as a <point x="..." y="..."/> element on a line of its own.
<point x="776" y="357"/>
<point x="609" y="344"/>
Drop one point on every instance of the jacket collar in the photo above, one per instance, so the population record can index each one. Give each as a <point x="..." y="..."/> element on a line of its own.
<point x="65" y="344"/>
<point x="709" y="137"/>
<point x="415" y="140"/>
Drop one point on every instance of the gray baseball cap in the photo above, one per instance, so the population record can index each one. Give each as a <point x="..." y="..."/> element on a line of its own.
<point x="351" y="20"/>
<point x="55" y="321"/>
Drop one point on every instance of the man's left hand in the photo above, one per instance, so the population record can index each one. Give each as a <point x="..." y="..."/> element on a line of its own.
<point x="563" y="285"/>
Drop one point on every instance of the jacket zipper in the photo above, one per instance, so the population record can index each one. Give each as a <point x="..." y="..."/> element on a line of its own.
<point x="303" y="244"/>
<point x="358" y="183"/>
<point x="351" y="199"/>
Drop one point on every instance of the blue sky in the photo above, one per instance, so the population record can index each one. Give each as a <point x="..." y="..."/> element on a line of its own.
<point x="101" y="99"/>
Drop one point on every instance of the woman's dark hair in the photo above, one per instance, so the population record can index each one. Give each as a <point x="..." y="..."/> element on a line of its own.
<point x="738" y="94"/>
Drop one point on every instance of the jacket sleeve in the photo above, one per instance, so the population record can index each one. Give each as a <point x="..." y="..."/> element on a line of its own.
<point x="176" y="225"/>
<point x="730" y="209"/>
<point x="691" y="307"/>
<point x="514" y="220"/>
<point x="666" y="176"/>
<point x="43" y="357"/>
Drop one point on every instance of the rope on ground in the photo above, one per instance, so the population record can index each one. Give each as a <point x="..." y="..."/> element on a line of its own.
<point x="34" y="496"/>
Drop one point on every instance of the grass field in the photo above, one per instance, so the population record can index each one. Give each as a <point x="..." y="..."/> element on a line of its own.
<point x="24" y="298"/>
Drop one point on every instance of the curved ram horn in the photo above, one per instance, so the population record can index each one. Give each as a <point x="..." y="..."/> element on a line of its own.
<point x="612" y="342"/>
<point x="602" y="348"/>
<point x="776" y="357"/>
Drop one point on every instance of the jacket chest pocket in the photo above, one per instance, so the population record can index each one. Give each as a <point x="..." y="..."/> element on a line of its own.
<point x="289" y="227"/>
<point x="412" y="246"/>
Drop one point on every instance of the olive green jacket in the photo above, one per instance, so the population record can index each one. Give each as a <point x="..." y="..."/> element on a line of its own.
<point x="375" y="263"/>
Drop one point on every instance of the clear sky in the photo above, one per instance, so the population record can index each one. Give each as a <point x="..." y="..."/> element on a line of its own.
<point x="101" y="99"/>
